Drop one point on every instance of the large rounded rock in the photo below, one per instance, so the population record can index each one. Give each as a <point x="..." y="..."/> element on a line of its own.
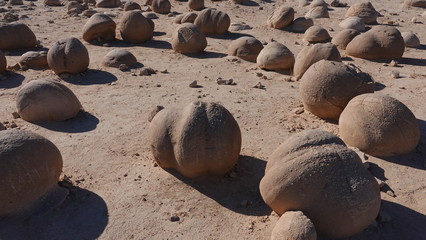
<point x="99" y="27"/>
<point x="312" y="54"/>
<point x="202" y="138"/>
<point x="68" y="56"/>
<point x="342" y="38"/>
<point x="186" y="18"/>
<point x="317" y="12"/>
<point x="353" y="23"/>
<point x="212" y="21"/>
<point x="327" y="87"/>
<point x="34" y="60"/>
<point x="117" y="57"/>
<point x="135" y="28"/>
<point x="30" y="166"/>
<point x="410" y="39"/>
<point x="379" y="125"/>
<point x="294" y="225"/>
<point x="318" y="3"/>
<point x="108" y="3"/>
<point x="46" y="100"/>
<point x="15" y="36"/>
<point x="196" y="4"/>
<point x="301" y="24"/>
<point x="415" y="3"/>
<point x="130" y="5"/>
<point x="247" y="48"/>
<point x="364" y="10"/>
<point x="3" y="62"/>
<point x="314" y="172"/>
<point x="275" y="56"/>
<point x="187" y="38"/>
<point x="281" y="17"/>
<point x="316" y="34"/>
<point x="381" y="42"/>
<point x="161" y="6"/>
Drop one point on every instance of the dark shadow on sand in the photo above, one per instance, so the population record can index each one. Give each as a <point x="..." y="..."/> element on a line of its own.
<point x="82" y="215"/>
<point x="83" y="122"/>
<point x="20" y="52"/>
<point x="205" y="55"/>
<point x="92" y="77"/>
<point x="413" y="61"/>
<point x="238" y="191"/>
<point x="229" y="35"/>
<point x="12" y="80"/>
<point x="379" y="86"/>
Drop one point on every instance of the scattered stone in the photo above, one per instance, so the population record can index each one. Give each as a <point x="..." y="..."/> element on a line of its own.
<point x="174" y="218"/>
<point x="193" y="84"/>
<point x="298" y="110"/>
<point x="393" y="63"/>
<point x="259" y="85"/>
<point x="15" y="115"/>
<point x="147" y="72"/>
<point x="221" y="81"/>
<point x="123" y="67"/>
<point x="395" y="74"/>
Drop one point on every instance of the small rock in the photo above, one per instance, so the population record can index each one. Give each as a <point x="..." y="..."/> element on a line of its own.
<point x="15" y="115"/>
<point x="193" y="84"/>
<point x="395" y="74"/>
<point x="390" y="193"/>
<point x="414" y="20"/>
<point x="164" y="71"/>
<point x="298" y="110"/>
<point x="13" y="125"/>
<point x="155" y="164"/>
<point x="221" y="81"/>
<point x="393" y="63"/>
<point x="174" y="218"/>
<point x="123" y="67"/>
<point x="259" y="85"/>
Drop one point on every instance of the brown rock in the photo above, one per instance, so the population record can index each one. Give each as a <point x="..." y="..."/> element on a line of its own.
<point x="135" y="28"/>
<point x="99" y="27"/>
<point x="68" y="56"/>
<point x="275" y="56"/>
<point x="187" y="38"/>
<point x="212" y="21"/>
<point x="34" y="60"/>
<point x="16" y="36"/>
<point x="247" y="48"/>
<point x="342" y="38"/>
<point x="364" y="10"/>
<point x="117" y="57"/>
<point x="281" y="17"/>
<point x="294" y="225"/>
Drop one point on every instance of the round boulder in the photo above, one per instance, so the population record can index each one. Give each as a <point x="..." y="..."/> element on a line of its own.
<point x="34" y="60"/>
<point x="212" y="21"/>
<point x="46" y="100"/>
<point x="342" y="38"/>
<point x="130" y="5"/>
<point x="135" y="28"/>
<point x="30" y="166"/>
<point x="281" y="17"/>
<point x="364" y="10"/>
<point x="187" y="38"/>
<point x="317" y="12"/>
<point x="196" y="4"/>
<point x="247" y="48"/>
<point x="411" y="40"/>
<point x="301" y="24"/>
<point x="355" y="23"/>
<point x="313" y="171"/>
<point x="16" y="36"/>
<point x="117" y="57"/>
<point x="68" y="56"/>
<point x="316" y="34"/>
<point x="275" y="56"/>
<point x="161" y="6"/>
<point x="294" y="225"/>
<point x="391" y="130"/>
<point x="99" y="27"/>
<point x="108" y="3"/>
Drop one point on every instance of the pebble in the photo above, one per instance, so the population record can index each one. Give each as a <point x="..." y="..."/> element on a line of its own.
<point x="298" y="110"/>
<point x="259" y="85"/>
<point x="174" y="218"/>
<point x="15" y="115"/>
<point x="393" y="63"/>
<point x="395" y="74"/>
<point x="193" y="84"/>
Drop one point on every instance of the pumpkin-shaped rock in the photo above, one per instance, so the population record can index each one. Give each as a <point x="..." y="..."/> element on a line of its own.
<point x="161" y="6"/>
<point x="317" y="12"/>
<point x="30" y="166"/>
<point x="16" y="36"/>
<point x="135" y="28"/>
<point x="108" y="3"/>
<point x="212" y="21"/>
<point x="294" y="225"/>
<point x="52" y="3"/>
<point x="342" y="38"/>
<point x="316" y="34"/>
<point x="356" y="23"/>
<point x="34" y="60"/>
<point x="415" y="3"/>
<point x="281" y="17"/>
<point x="200" y="139"/>
<point x="313" y="171"/>
<point x="196" y="4"/>
<point x="410" y="39"/>
<point x="381" y="42"/>
<point x="364" y="10"/>
<point x="318" y="3"/>
<point x="391" y="130"/>
<point x="327" y="87"/>
<point x="130" y="5"/>
<point x="275" y="56"/>
<point x="3" y="62"/>
<point x="117" y="57"/>
<point x="99" y="27"/>
<point x="247" y="48"/>
<point x="68" y="56"/>
<point x="46" y="100"/>
<point x="186" y="18"/>
<point x="187" y="38"/>
<point x="301" y="24"/>
<point x="312" y="54"/>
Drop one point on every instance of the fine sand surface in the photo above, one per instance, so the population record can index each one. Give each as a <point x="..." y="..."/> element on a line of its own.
<point x="119" y="192"/>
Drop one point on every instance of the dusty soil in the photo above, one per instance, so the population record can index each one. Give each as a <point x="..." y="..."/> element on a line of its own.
<point x="119" y="192"/>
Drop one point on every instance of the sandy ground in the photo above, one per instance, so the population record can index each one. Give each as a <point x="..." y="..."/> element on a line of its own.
<point x="119" y="193"/>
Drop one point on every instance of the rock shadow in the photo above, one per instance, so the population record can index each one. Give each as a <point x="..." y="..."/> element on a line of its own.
<point x="379" y="86"/>
<point x="250" y="3"/>
<point x="12" y="80"/>
<point x="413" y="61"/>
<point x="229" y="35"/>
<point x="20" y="52"/>
<point x="205" y="55"/>
<point x="82" y="215"/>
<point x="238" y="190"/>
<point x="83" y="122"/>
<point x="92" y="77"/>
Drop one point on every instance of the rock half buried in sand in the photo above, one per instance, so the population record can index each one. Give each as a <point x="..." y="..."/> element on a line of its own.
<point x="315" y="172"/>
<point x="108" y="3"/>
<point x="187" y="38"/>
<point x="364" y="10"/>
<point x="34" y="60"/>
<point x="379" y="125"/>
<point x="135" y="28"/>
<point x="380" y="42"/>
<point x="200" y="139"/>
<point x="275" y="56"/>
<point x="411" y="40"/>
<point x="327" y="87"/>
<point x="356" y="23"/>
<point x="68" y="56"/>
<point x="281" y="17"/>
<point x="342" y="38"/>
<point x="301" y="24"/>
<point x="316" y="34"/>
<point x="99" y="27"/>
<point x="30" y="169"/>
<point x="117" y="57"/>
<point x="415" y="3"/>
<point x="46" y="100"/>
<point x="247" y="48"/>
<point x="130" y="5"/>
<point x="212" y="21"/>
<point x="161" y="6"/>
<point x="53" y="3"/>
<point x="16" y="36"/>
<point x="196" y="4"/>
<point x="294" y="225"/>
<point x="317" y="12"/>
<point x="318" y="3"/>
<point x="312" y="54"/>
<point x="186" y="18"/>
<point x="3" y="62"/>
